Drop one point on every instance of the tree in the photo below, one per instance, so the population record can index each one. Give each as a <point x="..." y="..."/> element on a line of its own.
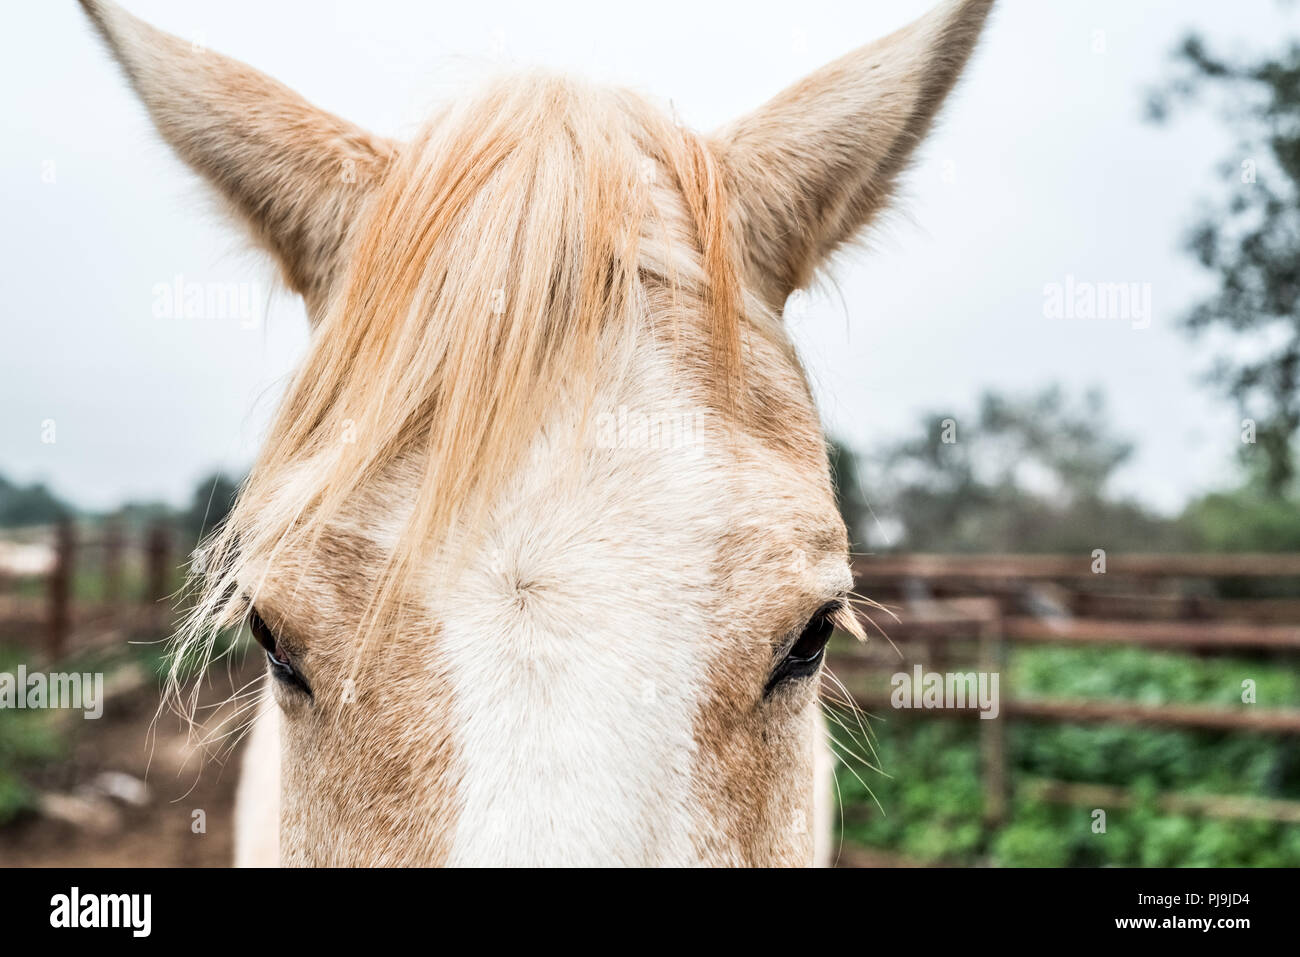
<point x="1018" y="474"/>
<point x="847" y="480"/>
<point x="28" y="505"/>
<point x="211" y="502"/>
<point x="1251" y="239"/>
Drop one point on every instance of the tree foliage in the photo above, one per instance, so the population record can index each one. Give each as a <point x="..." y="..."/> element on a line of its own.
<point x="1250" y="238"/>
<point x="28" y="505"/>
<point x="211" y="502"/>
<point x="1028" y="473"/>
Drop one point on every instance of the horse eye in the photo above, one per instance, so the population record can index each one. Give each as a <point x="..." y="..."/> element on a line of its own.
<point x="282" y="666"/>
<point x="805" y="657"/>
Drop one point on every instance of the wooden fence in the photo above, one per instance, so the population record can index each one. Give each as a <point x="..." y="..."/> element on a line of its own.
<point x="48" y="611"/>
<point x="973" y="608"/>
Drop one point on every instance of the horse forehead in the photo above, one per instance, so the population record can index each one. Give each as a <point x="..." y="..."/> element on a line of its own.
<point x="649" y="493"/>
<point x="642" y="489"/>
<point x="653" y="513"/>
<point x="577" y="649"/>
<point x="622" y="598"/>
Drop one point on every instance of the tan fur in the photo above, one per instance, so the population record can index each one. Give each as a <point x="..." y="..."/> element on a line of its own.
<point x="295" y="175"/>
<point x="810" y="168"/>
<point x="469" y="575"/>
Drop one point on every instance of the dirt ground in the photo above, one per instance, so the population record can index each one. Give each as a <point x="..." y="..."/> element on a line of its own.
<point x="127" y="792"/>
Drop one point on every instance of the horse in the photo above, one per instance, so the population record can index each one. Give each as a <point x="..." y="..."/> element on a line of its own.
<point x="542" y="545"/>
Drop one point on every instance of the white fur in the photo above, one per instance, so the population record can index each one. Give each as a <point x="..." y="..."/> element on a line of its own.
<point x="823" y="797"/>
<point x="257" y="800"/>
<point x="575" y="687"/>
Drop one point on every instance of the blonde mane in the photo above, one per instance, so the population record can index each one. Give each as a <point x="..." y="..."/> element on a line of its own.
<point x="502" y="246"/>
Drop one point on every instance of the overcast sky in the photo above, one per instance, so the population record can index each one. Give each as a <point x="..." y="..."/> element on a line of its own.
<point x="1042" y="169"/>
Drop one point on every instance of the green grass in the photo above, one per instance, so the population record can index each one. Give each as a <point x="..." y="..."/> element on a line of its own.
<point x="27" y="739"/>
<point x="933" y="802"/>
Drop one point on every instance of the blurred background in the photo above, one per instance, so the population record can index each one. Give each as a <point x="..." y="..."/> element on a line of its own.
<point x="1061" y="383"/>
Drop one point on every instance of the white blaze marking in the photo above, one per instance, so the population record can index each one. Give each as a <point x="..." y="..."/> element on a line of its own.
<point x="575" y="649"/>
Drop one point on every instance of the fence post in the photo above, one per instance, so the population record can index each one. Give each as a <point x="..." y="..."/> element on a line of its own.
<point x="113" y="547"/>
<point x="59" y="588"/>
<point x="993" y="731"/>
<point x="157" y="574"/>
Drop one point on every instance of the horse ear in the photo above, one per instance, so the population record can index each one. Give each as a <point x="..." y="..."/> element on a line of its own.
<point x="296" y="175"/>
<point x="814" y="165"/>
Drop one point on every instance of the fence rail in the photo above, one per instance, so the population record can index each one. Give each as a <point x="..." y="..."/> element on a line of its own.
<point x="49" y="616"/>
<point x="1025" y="567"/>
<point x="977" y="614"/>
